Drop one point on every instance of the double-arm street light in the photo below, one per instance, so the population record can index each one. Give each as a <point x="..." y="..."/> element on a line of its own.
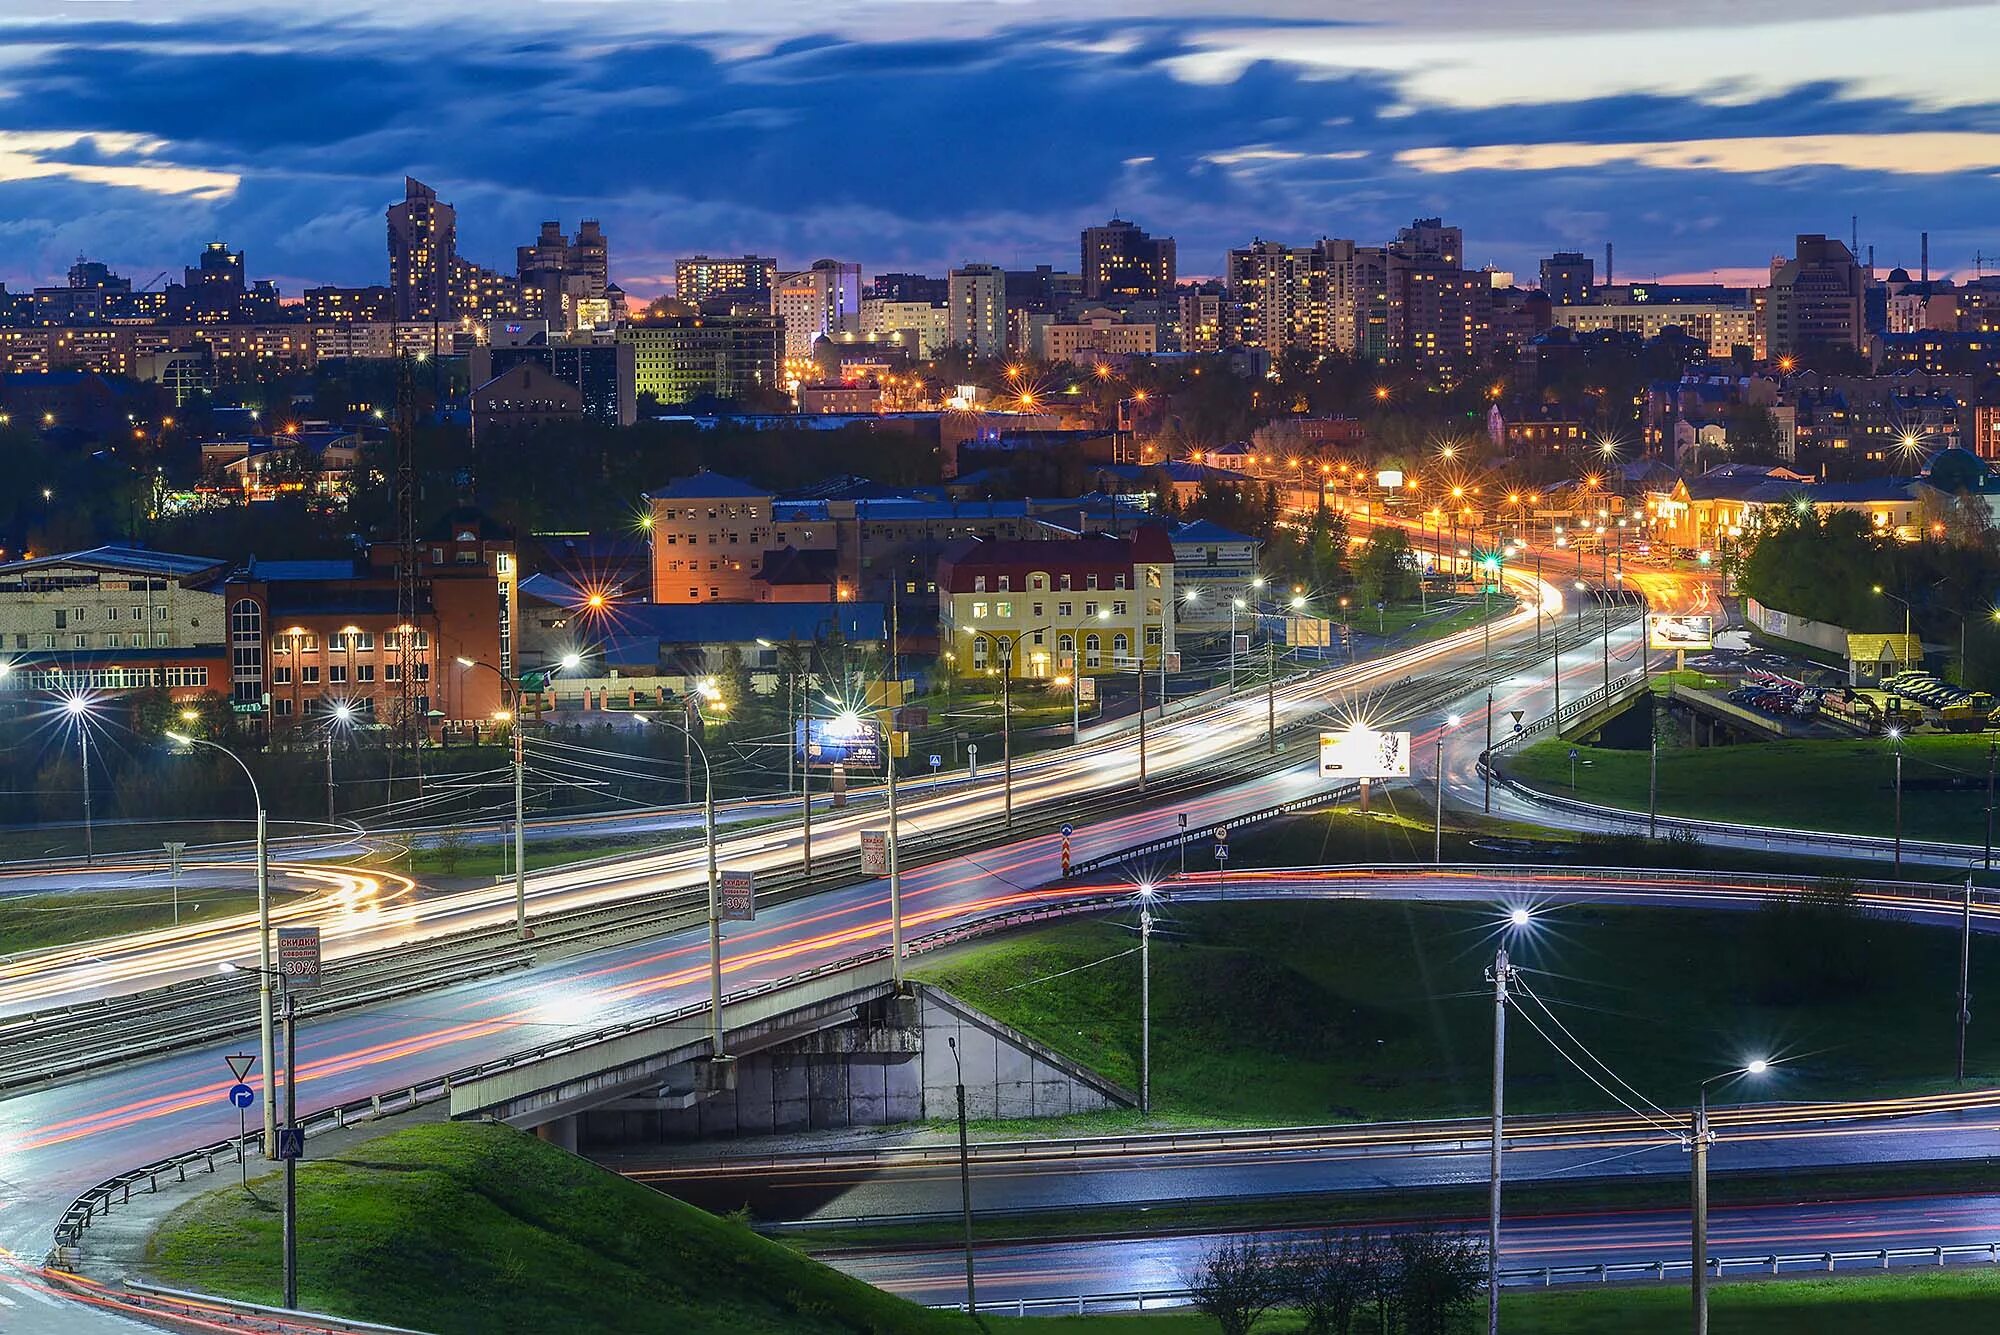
<point x="264" y="969"/>
<point x="1698" y="1146"/>
<point x="78" y="708"/>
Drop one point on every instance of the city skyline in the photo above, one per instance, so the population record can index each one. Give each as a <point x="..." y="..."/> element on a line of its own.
<point x="710" y="131"/>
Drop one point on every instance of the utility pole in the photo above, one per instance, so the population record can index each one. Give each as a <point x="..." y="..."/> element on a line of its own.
<point x="895" y="865"/>
<point x="964" y="1181"/>
<point x="291" y="1161"/>
<point x="1437" y="834"/>
<point x="805" y="779"/>
<point x="1499" y="975"/>
<point x="329" y="778"/>
<point x="1899" y="806"/>
<point x="1007" y="731"/>
<point x="1698" y="1254"/>
<point x="1146" y="1006"/>
<point x="1964" y="975"/>
<point x="1992" y="755"/>
<point x="1486" y="669"/>
<point x="1607" y="651"/>
<point x="1271" y="697"/>
<point x="1141" y="675"/>
<point x="1653" y="777"/>
<point x="1556" y="650"/>
<point x="1539" y="587"/>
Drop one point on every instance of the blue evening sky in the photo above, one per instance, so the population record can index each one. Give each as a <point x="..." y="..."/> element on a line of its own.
<point x="914" y="134"/>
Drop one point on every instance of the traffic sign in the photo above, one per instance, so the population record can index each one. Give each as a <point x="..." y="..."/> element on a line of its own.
<point x="242" y="1096"/>
<point x="1572" y="753"/>
<point x="1517" y="713"/>
<point x="1183" y="819"/>
<point x="1222" y="852"/>
<point x="1068" y="830"/>
<point x="174" y="850"/>
<point x="291" y="1142"/>
<point x="1222" y="834"/>
<point x="937" y="761"/>
<point x="240" y="1064"/>
<point x="298" y="957"/>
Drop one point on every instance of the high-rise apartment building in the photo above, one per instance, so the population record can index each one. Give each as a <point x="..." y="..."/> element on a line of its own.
<point x="823" y="300"/>
<point x="978" y="300"/>
<point x="1328" y="297"/>
<point x="562" y="278"/>
<point x="747" y="278"/>
<point x="423" y="250"/>
<point x="1120" y="260"/>
<point x="1569" y="278"/>
<point x="680" y="358"/>
<point x="1440" y="315"/>
<point x="1815" y="298"/>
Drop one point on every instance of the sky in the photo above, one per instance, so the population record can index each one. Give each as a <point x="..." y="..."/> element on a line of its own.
<point x="1697" y="136"/>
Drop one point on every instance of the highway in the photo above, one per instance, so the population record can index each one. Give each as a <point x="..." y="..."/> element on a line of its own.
<point x="1012" y="1272"/>
<point x="394" y="913"/>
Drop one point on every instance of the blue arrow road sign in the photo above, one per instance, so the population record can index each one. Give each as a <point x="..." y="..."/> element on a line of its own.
<point x="1068" y="830"/>
<point x="242" y="1096"/>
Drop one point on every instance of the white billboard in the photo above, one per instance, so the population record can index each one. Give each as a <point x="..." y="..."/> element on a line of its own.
<point x="1361" y="753"/>
<point x="1389" y="479"/>
<point x="1667" y="631"/>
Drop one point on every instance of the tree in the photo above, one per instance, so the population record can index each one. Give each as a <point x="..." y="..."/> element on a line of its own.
<point x="1386" y="571"/>
<point x="1329" y="1276"/>
<point x="1437" y="1277"/>
<point x="1237" y="1282"/>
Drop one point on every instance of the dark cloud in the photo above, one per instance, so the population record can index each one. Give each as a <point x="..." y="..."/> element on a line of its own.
<point x="917" y="152"/>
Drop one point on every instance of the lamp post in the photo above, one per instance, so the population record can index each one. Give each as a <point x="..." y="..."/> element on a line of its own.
<point x="78" y="708"/>
<point x="1146" y="896"/>
<point x="1437" y="834"/>
<point x="1896" y="738"/>
<point x="1698" y="1147"/>
<point x="511" y="692"/>
<point x="1500" y="975"/>
<point x="291" y="1210"/>
<point x="1905" y="604"/>
<point x="340" y="716"/>
<point x="964" y="1179"/>
<point x="265" y="971"/>
<point x="714" y="899"/>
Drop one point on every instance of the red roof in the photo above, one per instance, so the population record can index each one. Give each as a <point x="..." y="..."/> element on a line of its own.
<point x="1094" y="554"/>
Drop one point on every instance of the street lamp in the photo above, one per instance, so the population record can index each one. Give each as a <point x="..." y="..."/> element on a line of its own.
<point x="265" y="971"/>
<point x="78" y="708"/>
<point x="1896" y="737"/>
<point x="1500" y="975"/>
<point x="511" y="692"/>
<point x="1437" y="834"/>
<point x="714" y="901"/>
<point x="341" y="715"/>
<point x="1906" y="607"/>
<point x="1146" y="896"/>
<point x="1698" y="1257"/>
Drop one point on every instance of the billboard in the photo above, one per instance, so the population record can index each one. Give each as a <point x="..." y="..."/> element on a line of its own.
<point x="1360" y="753"/>
<point x="1389" y="479"/>
<point x="874" y="852"/>
<point x="1669" y="631"/>
<point x="298" y="957"/>
<point x="739" y="896"/>
<point x="845" y="740"/>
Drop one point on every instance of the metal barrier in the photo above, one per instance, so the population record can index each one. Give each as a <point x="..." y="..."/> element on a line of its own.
<point x="1545" y="1276"/>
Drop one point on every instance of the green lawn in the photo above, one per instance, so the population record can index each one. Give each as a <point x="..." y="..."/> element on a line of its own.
<point x="495" y="859"/>
<point x="471" y="1227"/>
<point x="1311" y="1012"/>
<point x="32" y="922"/>
<point x="1906" y="1304"/>
<point x="1831" y="785"/>
<point x="1417" y="621"/>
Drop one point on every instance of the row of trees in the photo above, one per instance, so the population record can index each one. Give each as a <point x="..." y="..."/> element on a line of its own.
<point x="1418" y="1283"/>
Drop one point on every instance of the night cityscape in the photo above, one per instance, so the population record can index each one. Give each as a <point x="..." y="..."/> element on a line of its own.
<point x="893" y="668"/>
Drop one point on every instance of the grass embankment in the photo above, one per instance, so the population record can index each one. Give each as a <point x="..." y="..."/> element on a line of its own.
<point x="1307" y="1012"/>
<point x="1843" y="785"/>
<point x="1413" y="622"/>
<point x="35" y="922"/>
<point x="496" y="858"/>
<point x="1963" y="1300"/>
<point x="467" y="1227"/>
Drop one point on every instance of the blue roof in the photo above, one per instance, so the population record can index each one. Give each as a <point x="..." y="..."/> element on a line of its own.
<point x="276" y="571"/>
<point x="746" y="623"/>
<point x="705" y="485"/>
<point x="137" y="560"/>
<point x="1207" y="530"/>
